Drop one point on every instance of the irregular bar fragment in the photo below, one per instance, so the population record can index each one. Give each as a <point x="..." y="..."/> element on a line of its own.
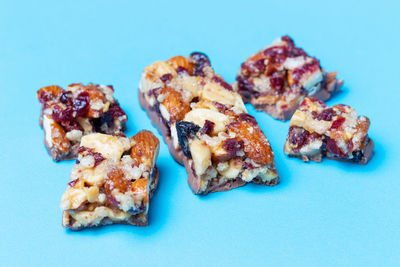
<point x="69" y="114"/>
<point x="206" y="125"/>
<point x="112" y="181"/>
<point x="336" y="132"/>
<point x="277" y="78"/>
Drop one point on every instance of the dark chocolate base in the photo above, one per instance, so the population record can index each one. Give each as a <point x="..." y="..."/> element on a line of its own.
<point x="366" y="155"/>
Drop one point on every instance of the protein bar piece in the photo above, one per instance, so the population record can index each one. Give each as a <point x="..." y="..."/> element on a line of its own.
<point x="206" y="125"/>
<point x="67" y="115"/>
<point x="277" y="78"/>
<point x="337" y="133"/>
<point x="112" y="181"/>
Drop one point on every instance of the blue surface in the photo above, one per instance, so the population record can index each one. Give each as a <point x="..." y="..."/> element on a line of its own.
<point x="331" y="213"/>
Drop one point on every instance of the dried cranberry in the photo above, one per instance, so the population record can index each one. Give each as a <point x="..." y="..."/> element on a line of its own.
<point x="221" y="82"/>
<point x="82" y="149"/>
<point x="244" y="84"/>
<point x="326" y="115"/>
<point x="232" y="146"/>
<point x="181" y="69"/>
<point x="298" y="73"/>
<point x="81" y="104"/>
<point x="200" y="61"/>
<point x="66" y="98"/>
<point x="276" y="53"/>
<point x="120" y="134"/>
<point x="166" y="77"/>
<point x="72" y="125"/>
<point x="248" y="165"/>
<point x="338" y="123"/>
<point x="208" y="127"/>
<point x="73" y="182"/>
<point x="332" y="147"/>
<point x="112" y="200"/>
<point x="62" y="115"/>
<point x="298" y="137"/>
<point x="248" y="118"/>
<point x="277" y="81"/>
<point x="98" y="158"/>
<point x="221" y="107"/>
<point x="116" y="111"/>
<point x="288" y="40"/>
<point x="259" y="65"/>
<point x="350" y="145"/>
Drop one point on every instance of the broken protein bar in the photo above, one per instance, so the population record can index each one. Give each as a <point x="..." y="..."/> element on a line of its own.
<point x="336" y="132"/>
<point x="69" y="114"/>
<point x="206" y="125"/>
<point x="112" y="181"/>
<point x="277" y="78"/>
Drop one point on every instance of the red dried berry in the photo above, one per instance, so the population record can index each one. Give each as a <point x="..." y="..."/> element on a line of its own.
<point x="338" y="123"/>
<point x="166" y="77"/>
<point x="326" y="115"/>
<point x="81" y="104"/>
<point x="208" y="127"/>
<point x="277" y="81"/>
<point x="332" y="147"/>
<point x="232" y="146"/>
<point x="221" y="82"/>
<point x="200" y="61"/>
<point x="116" y="111"/>
<point x="73" y="182"/>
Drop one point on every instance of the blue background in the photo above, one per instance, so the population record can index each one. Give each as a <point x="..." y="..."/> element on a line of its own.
<point x="332" y="213"/>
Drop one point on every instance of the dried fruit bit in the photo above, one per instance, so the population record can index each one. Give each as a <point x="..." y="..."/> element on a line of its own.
<point x="326" y="115"/>
<point x="81" y="104"/>
<point x="98" y="157"/>
<point x="333" y="148"/>
<point x="200" y="61"/>
<point x="173" y="102"/>
<point x="208" y="127"/>
<point x="298" y="137"/>
<point x="184" y="130"/>
<point x="338" y="123"/>
<point x="232" y="146"/>
<point x="256" y="145"/>
<point x="222" y="82"/>
<point x="145" y="147"/>
<point x="73" y="182"/>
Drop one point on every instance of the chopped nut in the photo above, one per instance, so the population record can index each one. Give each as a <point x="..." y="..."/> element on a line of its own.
<point x="58" y="137"/>
<point x="201" y="156"/>
<point x="180" y="61"/>
<point x="109" y="146"/>
<point x="215" y="92"/>
<point x="200" y="115"/>
<point x="92" y="194"/>
<point x="298" y="119"/>
<point x="174" y="104"/>
<point x="145" y="147"/>
<point x="233" y="170"/>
